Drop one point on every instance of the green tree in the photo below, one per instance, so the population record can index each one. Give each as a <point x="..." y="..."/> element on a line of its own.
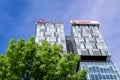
<point x="3" y="67"/>
<point x="20" y="56"/>
<point x="28" y="60"/>
<point x="51" y="63"/>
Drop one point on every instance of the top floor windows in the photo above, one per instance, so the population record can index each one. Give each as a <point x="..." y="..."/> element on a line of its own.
<point x="59" y="25"/>
<point x="49" y="25"/>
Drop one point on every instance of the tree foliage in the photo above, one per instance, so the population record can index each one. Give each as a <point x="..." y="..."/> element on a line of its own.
<point x="28" y="60"/>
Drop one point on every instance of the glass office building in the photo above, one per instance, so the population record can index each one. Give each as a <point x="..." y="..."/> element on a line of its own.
<point x="95" y="56"/>
<point x="87" y="40"/>
<point x="52" y="31"/>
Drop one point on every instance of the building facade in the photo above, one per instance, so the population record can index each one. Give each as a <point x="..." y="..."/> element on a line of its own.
<point x="51" y="31"/>
<point x="95" y="56"/>
<point x="85" y="40"/>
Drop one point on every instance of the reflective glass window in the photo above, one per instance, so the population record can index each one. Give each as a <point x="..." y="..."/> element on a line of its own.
<point x="96" y="52"/>
<point x="95" y="35"/>
<point x="84" y="52"/>
<point x="48" y="34"/>
<point x="88" y="45"/>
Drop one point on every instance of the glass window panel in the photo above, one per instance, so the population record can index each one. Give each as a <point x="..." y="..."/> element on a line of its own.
<point x="76" y="40"/>
<point x="89" y="35"/>
<point x="58" y="29"/>
<point x="95" y="31"/>
<point x="62" y="41"/>
<point x="59" y="40"/>
<point x="104" y="77"/>
<point x="84" y="52"/>
<point x="58" y="25"/>
<point x="95" y="35"/>
<point x="74" y="30"/>
<point x="57" y="34"/>
<point x="64" y="46"/>
<point x="41" y="25"/>
<point x="78" y="46"/>
<point x="49" y="25"/>
<point x="93" y="46"/>
<point x="81" y="40"/>
<point x="48" y="39"/>
<point x="81" y="26"/>
<point x="104" y="52"/>
<point x="92" y="40"/>
<point x="41" y="39"/>
<point x="38" y="29"/>
<point x="88" y="45"/>
<point x="87" y="40"/>
<point x="101" y="46"/>
<point x="107" y="77"/>
<point x="100" y="76"/>
<point x="96" y="77"/>
<point x="62" y="35"/>
<point x="41" y="34"/>
<point x="92" y="77"/>
<point x="96" y="52"/>
<point x="76" y="35"/>
<point x="52" y="39"/>
<point x="52" y="30"/>
<point x="79" y="31"/>
<point x="79" y="52"/>
<point x="88" y="30"/>
<point x="82" y="46"/>
<point x="99" y="40"/>
<point x="42" y="30"/>
<point x="111" y="77"/>
<point x="77" y="27"/>
<point x="85" y="35"/>
<point x="48" y="34"/>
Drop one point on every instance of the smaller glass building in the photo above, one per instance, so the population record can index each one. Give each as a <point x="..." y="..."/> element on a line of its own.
<point x="100" y="70"/>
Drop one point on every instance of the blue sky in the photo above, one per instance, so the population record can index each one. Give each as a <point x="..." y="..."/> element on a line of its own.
<point x="18" y="18"/>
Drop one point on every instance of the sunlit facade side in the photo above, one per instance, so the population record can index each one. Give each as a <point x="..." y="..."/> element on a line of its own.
<point x="51" y="31"/>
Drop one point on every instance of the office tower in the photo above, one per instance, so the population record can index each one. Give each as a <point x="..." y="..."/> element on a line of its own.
<point x="52" y="31"/>
<point x="95" y="57"/>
